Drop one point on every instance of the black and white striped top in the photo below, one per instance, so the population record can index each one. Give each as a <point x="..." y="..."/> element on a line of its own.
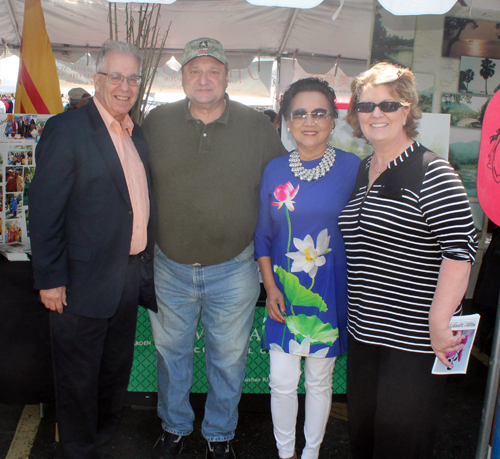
<point x="416" y="213"/>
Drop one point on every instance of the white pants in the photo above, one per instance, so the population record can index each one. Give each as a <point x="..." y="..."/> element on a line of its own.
<point x="283" y="381"/>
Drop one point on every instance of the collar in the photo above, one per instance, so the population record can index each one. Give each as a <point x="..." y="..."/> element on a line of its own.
<point x="110" y="122"/>
<point x="399" y="159"/>
<point x="224" y="118"/>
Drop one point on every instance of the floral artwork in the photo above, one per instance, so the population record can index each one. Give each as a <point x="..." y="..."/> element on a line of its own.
<point x="284" y="195"/>
<point x="309" y="258"/>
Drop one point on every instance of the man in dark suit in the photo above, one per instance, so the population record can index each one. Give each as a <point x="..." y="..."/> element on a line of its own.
<point x="91" y="219"/>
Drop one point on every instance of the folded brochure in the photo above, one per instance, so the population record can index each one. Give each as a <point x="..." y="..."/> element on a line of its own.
<point x="459" y="359"/>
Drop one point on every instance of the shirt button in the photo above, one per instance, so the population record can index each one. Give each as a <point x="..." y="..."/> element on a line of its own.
<point x="204" y="134"/>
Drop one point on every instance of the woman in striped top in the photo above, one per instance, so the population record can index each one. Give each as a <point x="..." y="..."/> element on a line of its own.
<point x="410" y="242"/>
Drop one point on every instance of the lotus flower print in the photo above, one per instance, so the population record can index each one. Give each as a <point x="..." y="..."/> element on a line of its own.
<point x="304" y="349"/>
<point x="284" y="195"/>
<point x="309" y="257"/>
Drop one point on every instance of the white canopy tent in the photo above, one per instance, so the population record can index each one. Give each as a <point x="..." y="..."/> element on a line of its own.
<point x="75" y="26"/>
<point x="246" y="30"/>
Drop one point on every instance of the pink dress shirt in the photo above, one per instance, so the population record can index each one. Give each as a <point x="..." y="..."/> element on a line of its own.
<point x="134" y="172"/>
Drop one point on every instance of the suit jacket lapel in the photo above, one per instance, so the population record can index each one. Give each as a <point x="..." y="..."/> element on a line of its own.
<point x="107" y="150"/>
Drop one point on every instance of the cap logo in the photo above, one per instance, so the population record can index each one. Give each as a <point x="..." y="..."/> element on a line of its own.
<point x="203" y="48"/>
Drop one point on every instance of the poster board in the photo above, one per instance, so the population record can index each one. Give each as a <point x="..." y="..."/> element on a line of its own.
<point x="19" y="135"/>
<point x="143" y="375"/>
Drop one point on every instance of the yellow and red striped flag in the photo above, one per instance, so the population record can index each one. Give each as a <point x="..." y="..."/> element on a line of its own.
<point x="38" y="89"/>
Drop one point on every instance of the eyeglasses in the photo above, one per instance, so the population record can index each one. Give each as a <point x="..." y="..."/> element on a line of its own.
<point x="318" y="116"/>
<point x="386" y="107"/>
<point x="117" y="78"/>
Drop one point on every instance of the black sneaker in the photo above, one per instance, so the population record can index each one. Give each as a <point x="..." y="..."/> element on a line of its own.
<point x="168" y="446"/>
<point x="219" y="450"/>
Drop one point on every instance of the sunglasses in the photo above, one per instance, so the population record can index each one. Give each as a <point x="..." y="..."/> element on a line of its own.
<point x="386" y="107"/>
<point x="300" y="115"/>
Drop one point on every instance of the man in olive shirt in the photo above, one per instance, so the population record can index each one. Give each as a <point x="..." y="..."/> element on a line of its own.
<point x="207" y="156"/>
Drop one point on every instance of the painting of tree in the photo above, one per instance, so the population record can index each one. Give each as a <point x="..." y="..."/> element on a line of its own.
<point x="484" y="72"/>
<point x="466" y="76"/>
<point x="425" y="88"/>
<point x="466" y="110"/>
<point x="393" y="38"/>
<point x="487" y="71"/>
<point x="471" y="37"/>
<point x="453" y="27"/>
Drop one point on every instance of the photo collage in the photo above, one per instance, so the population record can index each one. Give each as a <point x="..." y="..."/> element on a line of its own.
<point x="19" y="135"/>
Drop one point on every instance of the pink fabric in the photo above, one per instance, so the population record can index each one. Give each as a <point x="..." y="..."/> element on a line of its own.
<point x="135" y="175"/>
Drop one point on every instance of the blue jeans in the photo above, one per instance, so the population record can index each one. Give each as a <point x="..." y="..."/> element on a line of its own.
<point x="225" y="295"/>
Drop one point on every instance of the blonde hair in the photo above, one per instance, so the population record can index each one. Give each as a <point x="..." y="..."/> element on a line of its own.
<point x="401" y="85"/>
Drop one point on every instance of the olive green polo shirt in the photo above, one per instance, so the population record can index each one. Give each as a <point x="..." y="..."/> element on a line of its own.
<point x="206" y="179"/>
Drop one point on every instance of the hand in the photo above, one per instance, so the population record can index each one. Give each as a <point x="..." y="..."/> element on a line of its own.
<point x="275" y="304"/>
<point x="54" y="298"/>
<point x="445" y="341"/>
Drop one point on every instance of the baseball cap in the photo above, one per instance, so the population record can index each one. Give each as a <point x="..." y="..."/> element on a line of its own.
<point x="204" y="47"/>
<point x="78" y="94"/>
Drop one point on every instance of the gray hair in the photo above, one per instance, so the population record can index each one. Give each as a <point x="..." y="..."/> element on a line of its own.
<point x="119" y="47"/>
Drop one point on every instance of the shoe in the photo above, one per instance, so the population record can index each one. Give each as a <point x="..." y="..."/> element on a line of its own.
<point x="219" y="450"/>
<point x="168" y="446"/>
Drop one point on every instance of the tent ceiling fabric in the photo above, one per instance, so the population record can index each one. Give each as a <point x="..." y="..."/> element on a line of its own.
<point x="244" y="29"/>
<point x="283" y="3"/>
<point x="239" y="25"/>
<point x="415" y="7"/>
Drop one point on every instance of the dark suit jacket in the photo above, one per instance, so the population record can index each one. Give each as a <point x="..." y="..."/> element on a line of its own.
<point x="80" y="212"/>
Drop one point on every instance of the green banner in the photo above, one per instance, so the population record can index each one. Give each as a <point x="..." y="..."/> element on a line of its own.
<point x="143" y="377"/>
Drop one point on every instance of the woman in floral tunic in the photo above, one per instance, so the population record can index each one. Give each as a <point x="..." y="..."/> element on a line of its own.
<point x="301" y="254"/>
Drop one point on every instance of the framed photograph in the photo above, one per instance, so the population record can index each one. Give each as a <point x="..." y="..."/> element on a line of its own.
<point x="29" y="173"/>
<point x="20" y="155"/>
<point x="14" y="179"/>
<point x="344" y="139"/>
<point x="13" y="233"/>
<point x="466" y="110"/>
<point x="434" y="133"/>
<point x="471" y="37"/>
<point x="479" y="75"/>
<point x="13" y="205"/>
<point x="464" y="156"/>
<point x="393" y="37"/>
<point x="425" y="88"/>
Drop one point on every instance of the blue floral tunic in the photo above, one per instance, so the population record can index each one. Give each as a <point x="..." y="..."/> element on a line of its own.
<point x="297" y="228"/>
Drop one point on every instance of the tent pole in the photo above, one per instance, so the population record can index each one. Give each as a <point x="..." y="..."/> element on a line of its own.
<point x="277" y="85"/>
<point x="289" y="26"/>
<point x="491" y="392"/>
<point x="288" y="30"/>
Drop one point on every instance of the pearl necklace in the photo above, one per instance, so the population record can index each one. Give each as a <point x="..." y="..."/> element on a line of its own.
<point x="308" y="175"/>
